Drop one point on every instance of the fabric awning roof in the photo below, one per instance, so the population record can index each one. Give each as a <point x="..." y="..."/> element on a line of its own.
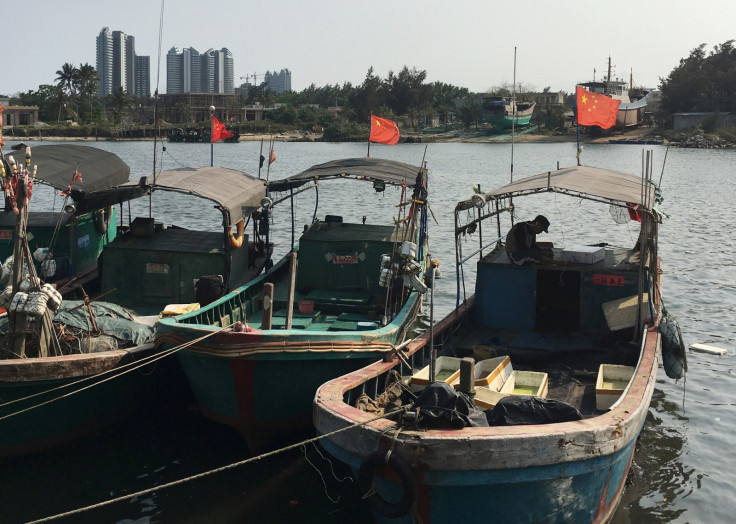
<point x="583" y="181"/>
<point x="100" y="169"/>
<point x="371" y="169"/>
<point x="230" y="189"/>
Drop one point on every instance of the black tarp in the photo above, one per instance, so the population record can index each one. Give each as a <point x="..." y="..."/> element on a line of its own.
<point x="440" y="406"/>
<point x="517" y="410"/>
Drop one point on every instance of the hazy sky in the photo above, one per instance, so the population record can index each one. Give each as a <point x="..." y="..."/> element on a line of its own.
<point x="467" y="43"/>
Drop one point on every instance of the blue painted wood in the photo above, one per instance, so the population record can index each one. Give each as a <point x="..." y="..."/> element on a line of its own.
<point x="505" y="297"/>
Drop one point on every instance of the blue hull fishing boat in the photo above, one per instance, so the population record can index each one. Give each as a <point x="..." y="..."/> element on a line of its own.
<point x="346" y="295"/>
<point x="524" y="404"/>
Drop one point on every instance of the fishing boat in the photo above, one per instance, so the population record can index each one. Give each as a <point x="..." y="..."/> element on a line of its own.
<point x="505" y="112"/>
<point x="68" y="241"/>
<point x="345" y="295"/>
<point x="68" y="367"/>
<point x="196" y="134"/>
<point x="634" y="100"/>
<point x="523" y="404"/>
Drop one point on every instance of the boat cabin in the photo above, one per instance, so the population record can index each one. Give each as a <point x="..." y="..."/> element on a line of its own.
<point x="149" y="266"/>
<point x="552" y="298"/>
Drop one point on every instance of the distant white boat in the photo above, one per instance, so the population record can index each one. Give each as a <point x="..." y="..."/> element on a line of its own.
<point x="634" y="101"/>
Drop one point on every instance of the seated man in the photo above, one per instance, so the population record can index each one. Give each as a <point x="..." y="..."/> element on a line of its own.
<point x="521" y="242"/>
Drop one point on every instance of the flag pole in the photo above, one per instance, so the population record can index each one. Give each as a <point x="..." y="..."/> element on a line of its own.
<point x="270" y="153"/>
<point x="212" y="135"/>
<point x="513" y="118"/>
<point x="370" y="127"/>
<point x="577" y="127"/>
<point x="260" y="160"/>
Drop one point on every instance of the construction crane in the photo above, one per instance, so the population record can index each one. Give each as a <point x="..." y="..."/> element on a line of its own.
<point x="254" y="76"/>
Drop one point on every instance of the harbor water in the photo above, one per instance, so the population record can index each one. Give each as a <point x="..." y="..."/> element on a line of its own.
<point x="683" y="467"/>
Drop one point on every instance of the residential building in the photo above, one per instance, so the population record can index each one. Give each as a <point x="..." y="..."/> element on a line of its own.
<point x="143" y="76"/>
<point x="278" y="82"/>
<point x="189" y="71"/>
<point x="104" y="62"/>
<point x="119" y="74"/>
<point x="117" y="65"/>
<point x="17" y="115"/>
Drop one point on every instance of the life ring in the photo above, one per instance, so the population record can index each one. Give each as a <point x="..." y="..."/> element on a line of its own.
<point x="237" y="240"/>
<point x="402" y="468"/>
<point x="102" y="219"/>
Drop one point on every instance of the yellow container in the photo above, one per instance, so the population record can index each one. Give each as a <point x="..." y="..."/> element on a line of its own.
<point x="172" y="310"/>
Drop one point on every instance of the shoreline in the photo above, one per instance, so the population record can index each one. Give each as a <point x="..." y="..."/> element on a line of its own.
<point x="532" y="138"/>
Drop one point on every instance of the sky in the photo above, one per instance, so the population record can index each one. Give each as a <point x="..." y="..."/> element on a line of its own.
<point x="478" y="44"/>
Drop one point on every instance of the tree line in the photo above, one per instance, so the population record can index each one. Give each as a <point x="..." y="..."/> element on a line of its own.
<point x="702" y="81"/>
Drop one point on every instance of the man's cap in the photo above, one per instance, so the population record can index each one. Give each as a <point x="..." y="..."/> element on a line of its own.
<point x="542" y="220"/>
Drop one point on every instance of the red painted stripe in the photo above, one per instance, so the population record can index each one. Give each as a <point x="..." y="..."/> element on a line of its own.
<point x="243" y="373"/>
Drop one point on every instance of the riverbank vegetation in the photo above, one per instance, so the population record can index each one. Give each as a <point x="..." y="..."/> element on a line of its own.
<point x="702" y="82"/>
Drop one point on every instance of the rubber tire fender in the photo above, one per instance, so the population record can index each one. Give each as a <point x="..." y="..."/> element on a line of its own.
<point x="102" y="219"/>
<point x="402" y="468"/>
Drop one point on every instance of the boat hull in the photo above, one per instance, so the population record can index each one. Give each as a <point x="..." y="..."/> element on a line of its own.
<point x="583" y="491"/>
<point x="564" y="472"/>
<point x="52" y="400"/>
<point x="507" y="122"/>
<point x="263" y="382"/>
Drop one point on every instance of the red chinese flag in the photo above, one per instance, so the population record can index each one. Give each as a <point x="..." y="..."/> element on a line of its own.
<point x="383" y="131"/>
<point x="596" y="109"/>
<point x="218" y="131"/>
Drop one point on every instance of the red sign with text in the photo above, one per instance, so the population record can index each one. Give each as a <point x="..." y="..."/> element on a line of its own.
<point x="608" y="280"/>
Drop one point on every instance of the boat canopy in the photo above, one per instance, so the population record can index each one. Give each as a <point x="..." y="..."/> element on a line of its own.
<point x="371" y="169"/>
<point x="100" y="169"/>
<point x="593" y="183"/>
<point x="234" y="192"/>
<point x="102" y="173"/>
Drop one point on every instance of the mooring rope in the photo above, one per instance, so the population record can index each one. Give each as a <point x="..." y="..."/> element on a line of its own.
<point x="113" y="373"/>
<point x="216" y="470"/>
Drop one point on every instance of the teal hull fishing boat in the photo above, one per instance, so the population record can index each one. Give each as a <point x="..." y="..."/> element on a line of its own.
<point x="506" y="112"/>
<point x="71" y="366"/>
<point x="345" y="296"/>
<point x="70" y="240"/>
<point x="524" y="404"/>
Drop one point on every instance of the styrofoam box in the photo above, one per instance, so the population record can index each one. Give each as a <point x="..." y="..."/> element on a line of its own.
<point x="611" y="383"/>
<point x="581" y="254"/>
<point x="621" y="313"/>
<point x="447" y="366"/>
<point x="526" y="383"/>
<point x="486" y="399"/>
<point x="490" y="373"/>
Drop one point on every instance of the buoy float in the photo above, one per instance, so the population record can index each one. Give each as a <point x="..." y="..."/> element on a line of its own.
<point x="703" y="348"/>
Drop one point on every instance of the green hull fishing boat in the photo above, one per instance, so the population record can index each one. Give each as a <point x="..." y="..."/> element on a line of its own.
<point x="66" y="244"/>
<point x="345" y="296"/>
<point x="505" y="112"/>
<point x="68" y="367"/>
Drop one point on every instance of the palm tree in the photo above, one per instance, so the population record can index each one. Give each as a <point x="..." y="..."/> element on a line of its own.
<point x="120" y="101"/>
<point x="68" y="78"/>
<point x="88" y="80"/>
